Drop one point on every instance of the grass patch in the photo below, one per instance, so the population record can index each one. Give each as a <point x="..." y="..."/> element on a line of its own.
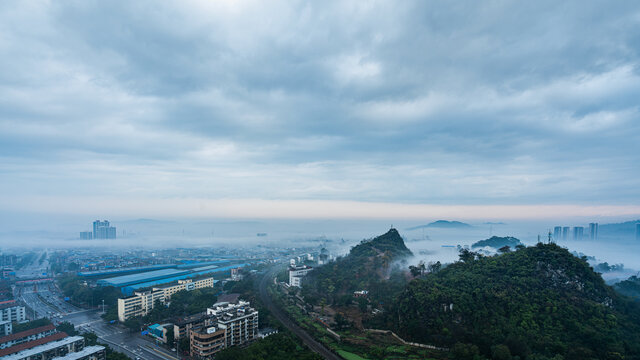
<point x="349" y="355"/>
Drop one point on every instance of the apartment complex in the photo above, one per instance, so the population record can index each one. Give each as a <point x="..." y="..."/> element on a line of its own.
<point x="12" y="312"/>
<point x="235" y="324"/>
<point x="26" y="336"/>
<point x="141" y="302"/>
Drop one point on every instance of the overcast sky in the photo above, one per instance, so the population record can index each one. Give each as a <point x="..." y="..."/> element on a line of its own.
<point x="316" y="109"/>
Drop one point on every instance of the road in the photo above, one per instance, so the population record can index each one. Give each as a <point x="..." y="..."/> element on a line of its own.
<point x="284" y="319"/>
<point x="47" y="301"/>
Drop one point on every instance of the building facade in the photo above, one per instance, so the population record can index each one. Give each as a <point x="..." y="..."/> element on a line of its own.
<point x="296" y="273"/>
<point x="12" y="312"/>
<point x="26" y="336"/>
<point x="103" y="230"/>
<point x="139" y="304"/>
<point x="186" y="284"/>
<point x="235" y="324"/>
<point x="578" y="233"/>
<point x="67" y="348"/>
<point x="593" y="231"/>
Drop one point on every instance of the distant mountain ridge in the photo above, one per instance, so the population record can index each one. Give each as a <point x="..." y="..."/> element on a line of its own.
<point x="497" y="242"/>
<point x="443" y="224"/>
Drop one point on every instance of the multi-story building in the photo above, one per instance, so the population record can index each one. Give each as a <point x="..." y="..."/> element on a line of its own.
<point x="103" y="230"/>
<point x="593" y="231"/>
<point x="578" y="233"/>
<point x="139" y="304"/>
<point x="86" y="235"/>
<point x="6" y="328"/>
<point x="565" y="233"/>
<point x="235" y="324"/>
<point x="186" y="284"/>
<point x="557" y="232"/>
<point x="182" y="327"/>
<point x="638" y="231"/>
<point x="206" y="342"/>
<point x="296" y="273"/>
<point x="27" y="335"/>
<point x="12" y="312"/>
<point x="68" y="348"/>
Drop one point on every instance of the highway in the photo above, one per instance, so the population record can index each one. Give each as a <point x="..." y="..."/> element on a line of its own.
<point x="288" y="323"/>
<point x="45" y="300"/>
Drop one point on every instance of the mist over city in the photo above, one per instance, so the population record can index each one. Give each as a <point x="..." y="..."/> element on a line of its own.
<point x="334" y="180"/>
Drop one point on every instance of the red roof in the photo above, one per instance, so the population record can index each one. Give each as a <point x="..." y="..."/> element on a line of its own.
<point x="26" y="333"/>
<point x="28" y="345"/>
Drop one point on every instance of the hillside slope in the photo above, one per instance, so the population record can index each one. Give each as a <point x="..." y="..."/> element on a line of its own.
<point x="537" y="302"/>
<point x="365" y="268"/>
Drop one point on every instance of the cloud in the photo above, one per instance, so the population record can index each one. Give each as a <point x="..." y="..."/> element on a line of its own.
<point x="413" y="103"/>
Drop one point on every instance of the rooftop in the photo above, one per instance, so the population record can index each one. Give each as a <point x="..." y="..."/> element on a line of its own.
<point x="125" y="280"/>
<point x="21" y="334"/>
<point x="31" y="344"/>
<point x="82" y="353"/>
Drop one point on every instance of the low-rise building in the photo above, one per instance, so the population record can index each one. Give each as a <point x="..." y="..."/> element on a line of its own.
<point x="139" y="304"/>
<point x="12" y="312"/>
<point x="186" y="284"/>
<point x="296" y="273"/>
<point x="58" y="349"/>
<point x="27" y="335"/>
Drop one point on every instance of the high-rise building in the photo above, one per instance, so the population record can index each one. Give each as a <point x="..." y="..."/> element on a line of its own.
<point x="557" y="232"/>
<point x="638" y="231"/>
<point x="565" y="232"/>
<point x="578" y="232"/>
<point x="593" y="231"/>
<point x="103" y="230"/>
<point x="86" y="235"/>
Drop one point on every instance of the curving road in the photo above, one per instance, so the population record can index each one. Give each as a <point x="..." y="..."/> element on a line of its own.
<point x="284" y="319"/>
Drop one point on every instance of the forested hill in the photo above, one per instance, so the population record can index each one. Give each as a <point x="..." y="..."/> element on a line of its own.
<point x="389" y="244"/>
<point x="365" y="268"/>
<point x="536" y="303"/>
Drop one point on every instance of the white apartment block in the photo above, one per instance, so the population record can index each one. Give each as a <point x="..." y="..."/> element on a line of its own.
<point x="186" y="284"/>
<point x="139" y="304"/>
<point x="296" y="273"/>
<point x="12" y="312"/>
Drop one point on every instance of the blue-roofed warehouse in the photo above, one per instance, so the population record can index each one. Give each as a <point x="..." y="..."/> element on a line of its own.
<point x="121" y="271"/>
<point x="128" y="290"/>
<point x="125" y="280"/>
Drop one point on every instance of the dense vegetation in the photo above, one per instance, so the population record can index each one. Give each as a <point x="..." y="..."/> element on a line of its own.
<point x="365" y="268"/>
<point x="535" y="303"/>
<point x="279" y="346"/>
<point x="30" y="325"/>
<point x="498" y="242"/>
<point x="73" y="287"/>
<point x="629" y="287"/>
